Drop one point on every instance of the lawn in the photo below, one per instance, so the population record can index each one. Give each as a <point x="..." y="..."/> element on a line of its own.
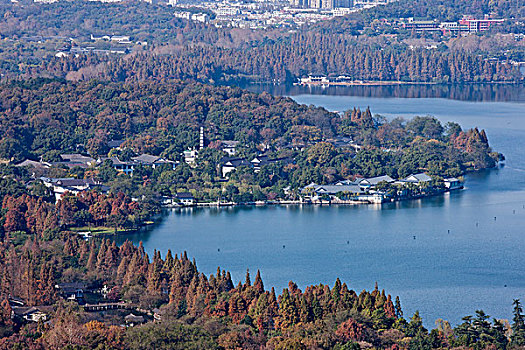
<point x="100" y="230"/>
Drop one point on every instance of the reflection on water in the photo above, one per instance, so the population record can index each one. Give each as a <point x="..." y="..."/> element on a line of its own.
<point x="470" y="92"/>
<point x="445" y="256"/>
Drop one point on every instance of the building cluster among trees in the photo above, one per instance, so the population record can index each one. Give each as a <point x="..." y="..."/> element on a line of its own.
<point x="152" y="141"/>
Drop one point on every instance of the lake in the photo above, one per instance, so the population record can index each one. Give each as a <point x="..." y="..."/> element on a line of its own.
<point x="445" y="256"/>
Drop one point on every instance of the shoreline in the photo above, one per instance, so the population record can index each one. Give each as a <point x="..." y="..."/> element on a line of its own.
<point x="392" y="83"/>
<point x="299" y="202"/>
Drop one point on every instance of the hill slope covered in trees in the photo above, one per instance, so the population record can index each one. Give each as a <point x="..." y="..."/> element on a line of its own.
<point x="179" y="49"/>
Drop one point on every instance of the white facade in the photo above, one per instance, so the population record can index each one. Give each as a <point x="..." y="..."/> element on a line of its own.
<point x="227" y="11"/>
<point x="190" y="156"/>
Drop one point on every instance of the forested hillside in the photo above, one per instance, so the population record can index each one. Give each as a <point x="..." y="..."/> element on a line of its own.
<point x="82" y="18"/>
<point x="204" y="312"/>
<point x="301" y="55"/>
<point x="282" y="61"/>
<point x="170" y="47"/>
<point x="42" y="116"/>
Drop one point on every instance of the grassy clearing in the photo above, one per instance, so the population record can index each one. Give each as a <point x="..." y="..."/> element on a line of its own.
<point x="100" y="230"/>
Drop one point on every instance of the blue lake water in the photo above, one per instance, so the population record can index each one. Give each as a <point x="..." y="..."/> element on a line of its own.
<point x="469" y="247"/>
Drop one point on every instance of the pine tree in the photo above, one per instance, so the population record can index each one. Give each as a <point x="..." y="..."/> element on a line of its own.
<point x="101" y="256"/>
<point x="260" y="312"/>
<point x="122" y="268"/>
<point x="288" y="315"/>
<point x="153" y="282"/>
<point x="518" y="325"/>
<point x="169" y="262"/>
<point x="317" y="309"/>
<point x="399" y="311"/>
<point x="389" y="307"/>
<point x="498" y="334"/>
<point x="336" y="294"/>
<point x="258" y="285"/>
<point x="177" y="294"/>
<point x="84" y="250"/>
<point x="415" y="326"/>
<point x="305" y="313"/>
<point x="229" y="282"/>
<point x="247" y="282"/>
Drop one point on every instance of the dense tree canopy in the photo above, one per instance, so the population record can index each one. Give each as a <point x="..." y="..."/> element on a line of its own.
<point x="178" y="49"/>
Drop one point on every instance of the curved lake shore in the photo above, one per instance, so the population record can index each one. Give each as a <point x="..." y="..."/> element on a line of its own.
<point x="446" y="255"/>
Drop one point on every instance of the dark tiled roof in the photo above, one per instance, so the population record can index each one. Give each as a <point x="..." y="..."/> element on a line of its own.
<point x="32" y="163"/>
<point x="184" y="195"/>
<point x="23" y="311"/>
<point x="115" y="143"/>
<point x="116" y="161"/>
<point x="421" y="177"/>
<point x="236" y="162"/>
<point x="378" y="179"/>
<point x="146" y="158"/>
<point x="134" y="318"/>
<point x="70" y="182"/>
<point x="71" y="287"/>
<point x="228" y="143"/>
<point x="76" y="158"/>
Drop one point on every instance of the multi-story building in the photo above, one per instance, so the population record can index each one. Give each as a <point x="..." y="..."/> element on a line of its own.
<point x="412" y="24"/>
<point x="343" y="4"/>
<point x="371" y="3"/>
<point x="468" y="24"/>
<point x="341" y="11"/>
<point x="227" y="11"/>
<point x="478" y="25"/>
<point x="321" y="4"/>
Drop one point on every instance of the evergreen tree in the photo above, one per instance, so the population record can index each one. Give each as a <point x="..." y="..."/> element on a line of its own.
<point x="399" y="311"/>
<point x="498" y="334"/>
<point x="258" y="285"/>
<point x="465" y="333"/>
<point x="518" y="325"/>
<point x="247" y="282"/>
<point x="415" y="326"/>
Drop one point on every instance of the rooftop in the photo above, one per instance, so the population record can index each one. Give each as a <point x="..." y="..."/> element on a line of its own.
<point x="146" y="158"/>
<point x="76" y="158"/>
<point x="184" y="195"/>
